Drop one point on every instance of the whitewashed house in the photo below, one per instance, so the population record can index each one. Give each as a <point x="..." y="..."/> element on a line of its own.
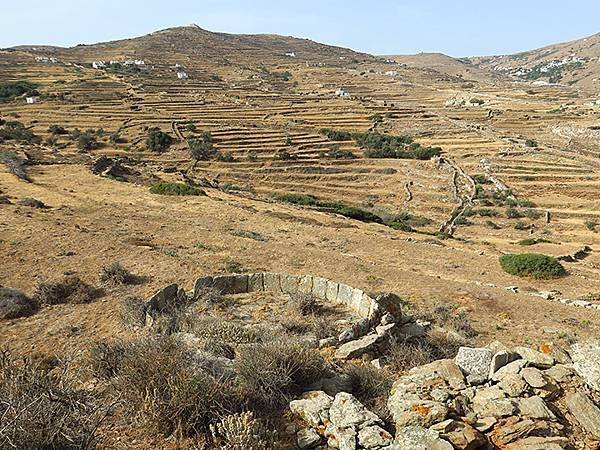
<point x="340" y="92"/>
<point x="291" y="54"/>
<point x="99" y="65"/>
<point x="392" y="73"/>
<point x="32" y="100"/>
<point x="182" y="75"/>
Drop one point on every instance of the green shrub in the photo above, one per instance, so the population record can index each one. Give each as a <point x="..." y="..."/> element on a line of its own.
<point x="158" y="140"/>
<point x="56" y="129"/>
<point x="164" y="188"/>
<point x="376" y="118"/>
<point x="225" y="157"/>
<point x="87" y="141"/>
<point x="531" y="143"/>
<point x="335" y="152"/>
<point x="378" y="145"/>
<point x="202" y="149"/>
<point x="486" y="212"/>
<point x="533" y="265"/>
<point x="14" y="130"/>
<point x="591" y="224"/>
<point x="532" y="241"/>
<point x="336" y="135"/>
<point x="13" y="89"/>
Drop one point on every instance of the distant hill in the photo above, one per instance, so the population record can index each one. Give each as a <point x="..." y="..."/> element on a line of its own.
<point x="192" y="45"/>
<point x="445" y="64"/>
<point x="574" y="63"/>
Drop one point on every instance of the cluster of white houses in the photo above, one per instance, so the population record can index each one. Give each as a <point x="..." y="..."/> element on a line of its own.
<point x="46" y="60"/>
<point x="129" y="62"/>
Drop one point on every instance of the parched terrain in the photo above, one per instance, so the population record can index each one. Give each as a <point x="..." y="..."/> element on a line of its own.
<point x="294" y="183"/>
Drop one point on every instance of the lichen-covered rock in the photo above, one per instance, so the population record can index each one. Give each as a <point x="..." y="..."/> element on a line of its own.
<point x="374" y="437"/>
<point x="586" y="361"/>
<point x="340" y="438"/>
<point x="346" y="411"/>
<point x="535" y="408"/>
<point x="419" y="438"/>
<point x="491" y="402"/>
<point x="313" y="407"/>
<point x="513" y="367"/>
<point x="409" y="409"/>
<point x="513" y="384"/>
<point x="475" y="363"/>
<point x="308" y="438"/>
<point x="464" y="437"/>
<point x="535" y="358"/>
<point x="534" y="377"/>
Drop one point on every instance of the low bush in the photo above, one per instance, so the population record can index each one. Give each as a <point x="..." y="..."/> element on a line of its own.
<point x="533" y="265"/>
<point x="56" y="129"/>
<point x="87" y="141"/>
<point x="42" y="409"/>
<point x="32" y="203"/>
<point x="336" y="135"/>
<point x="13" y="89"/>
<point x="165" y="188"/>
<point x="271" y="373"/>
<point x="243" y="432"/>
<point x="304" y="303"/>
<point x="133" y="313"/>
<point x="371" y="386"/>
<point x="70" y="289"/>
<point x="158" y="140"/>
<point x="116" y="275"/>
<point x="15" y="304"/>
<point x="591" y="224"/>
<point x="487" y="212"/>
<point x="335" y="152"/>
<point x="531" y="143"/>
<point x="532" y="241"/>
<point x="202" y="149"/>
<point x="225" y="157"/>
<point x="16" y="131"/>
<point x="296" y="199"/>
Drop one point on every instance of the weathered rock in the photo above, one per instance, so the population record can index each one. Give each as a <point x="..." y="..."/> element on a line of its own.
<point x="378" y="363"/>
<point x="464" y="437"/>
<point x="586" y="361"/>
<point x="413" y="330"/>
<point x="340" y="438"/>
<point x="272" y="282"/>
<point x="385" y="329"/>
<point x="354" y="349"/>
<point x="411" y="410"/>
<point x="491" y="402"/>
<point x="585" y="412"/>
<point x="256" y="282"/>
<point x="513" y="431"/>
<point x="419" y="438"/>
<point x="559" y="373"/>
<point x="475" y="363"/>
<point x="328" y="342"/>
<point x="374" y="437"/>
<point x="313" y="407"/>
<point x="501" y="359"/>
<point x="535" y="408"/>
<point x="534" y="377"/>
<point x="346" y="411"/>
<point x="540" y="443"/>
<point x="162" y="299"/>
<point x="446" y="369"/>
<point x="513" y="367"/>
<point x="513" y="384"/>
<point x="308" y="438"/>
<point x="485" y="424"/>
<point x="535" y="358"/>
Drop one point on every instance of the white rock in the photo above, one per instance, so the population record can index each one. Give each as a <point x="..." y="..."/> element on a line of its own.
<point x="475" y="363"/>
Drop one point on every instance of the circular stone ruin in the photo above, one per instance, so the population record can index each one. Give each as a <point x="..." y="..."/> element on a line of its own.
<point x="266" y="298"/>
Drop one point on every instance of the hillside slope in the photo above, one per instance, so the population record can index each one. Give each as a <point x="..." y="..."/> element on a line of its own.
<point x="575" y="63"/>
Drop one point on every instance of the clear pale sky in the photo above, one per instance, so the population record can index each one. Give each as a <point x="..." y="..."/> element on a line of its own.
<point x="454" y="27"/>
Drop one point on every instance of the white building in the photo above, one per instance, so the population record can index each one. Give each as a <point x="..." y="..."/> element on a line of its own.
<point x="182" y="75"/>
<point x="392" y="73"/>
<point x="291" y="54"/>
<point x="341" y="93"/>
<point x="32" y="100"/>
<point x="99" y="65"/>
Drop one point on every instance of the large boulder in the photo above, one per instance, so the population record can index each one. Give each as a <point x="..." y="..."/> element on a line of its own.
<point x="586" y="361"/>
<point x="358" y="347"/>
<point x="535" y="358"/>
<point x="346" y="411"/>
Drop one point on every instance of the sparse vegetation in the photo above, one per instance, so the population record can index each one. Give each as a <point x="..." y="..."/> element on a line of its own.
<point x="202" y="149"/>
<point x="15" y="304"/>
<point x="534" y="265"/>
<point x="591" y="224"/>
<point x="15" y="165"/>
<point x="15" y="130"/>
<point x="10" y="90"/>
<point x="179" y="189"/>
<point x="71" y="289"/>
<point x="532" y="241"/>
<point x="157" y="140"/>
<point x="116" y="275"/>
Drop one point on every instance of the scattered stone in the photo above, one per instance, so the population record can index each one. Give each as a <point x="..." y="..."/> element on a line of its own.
<point x="540" y="443"/>
<point x="354" y="349"/>
<point x="419" y="438"/>
<point x="374" y="437"/>
<point x="346" y="411"/>
<point x="313" y="407"/>
<point x="500" y="359"/>
<point x="513" y="384"/>
<point x="513" y="367"/>
<point x="464" y="437"/>
<point x="340" y="438"/>
<point x="485" y="424"/>
<point x="586" y="361"/>
<point x="475" y="363"/>
<point x="491" y="402"/>
<point x="513" y="431"/>
<point x="328" y="342"/>
<point x="559" y="373"/>
<point x="585" y="412"/>
<point x="534" y="377"/>
<point x="535" y="408"/>
<point x="308" y="438"/>
<point x="535" y="358"/>
<point x="378" y="363"/>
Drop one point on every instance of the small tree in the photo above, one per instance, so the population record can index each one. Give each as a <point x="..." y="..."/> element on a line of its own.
<point x="158" y="140"/>
<point x="202" y="149"/>
<point x="86" y="141"/>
